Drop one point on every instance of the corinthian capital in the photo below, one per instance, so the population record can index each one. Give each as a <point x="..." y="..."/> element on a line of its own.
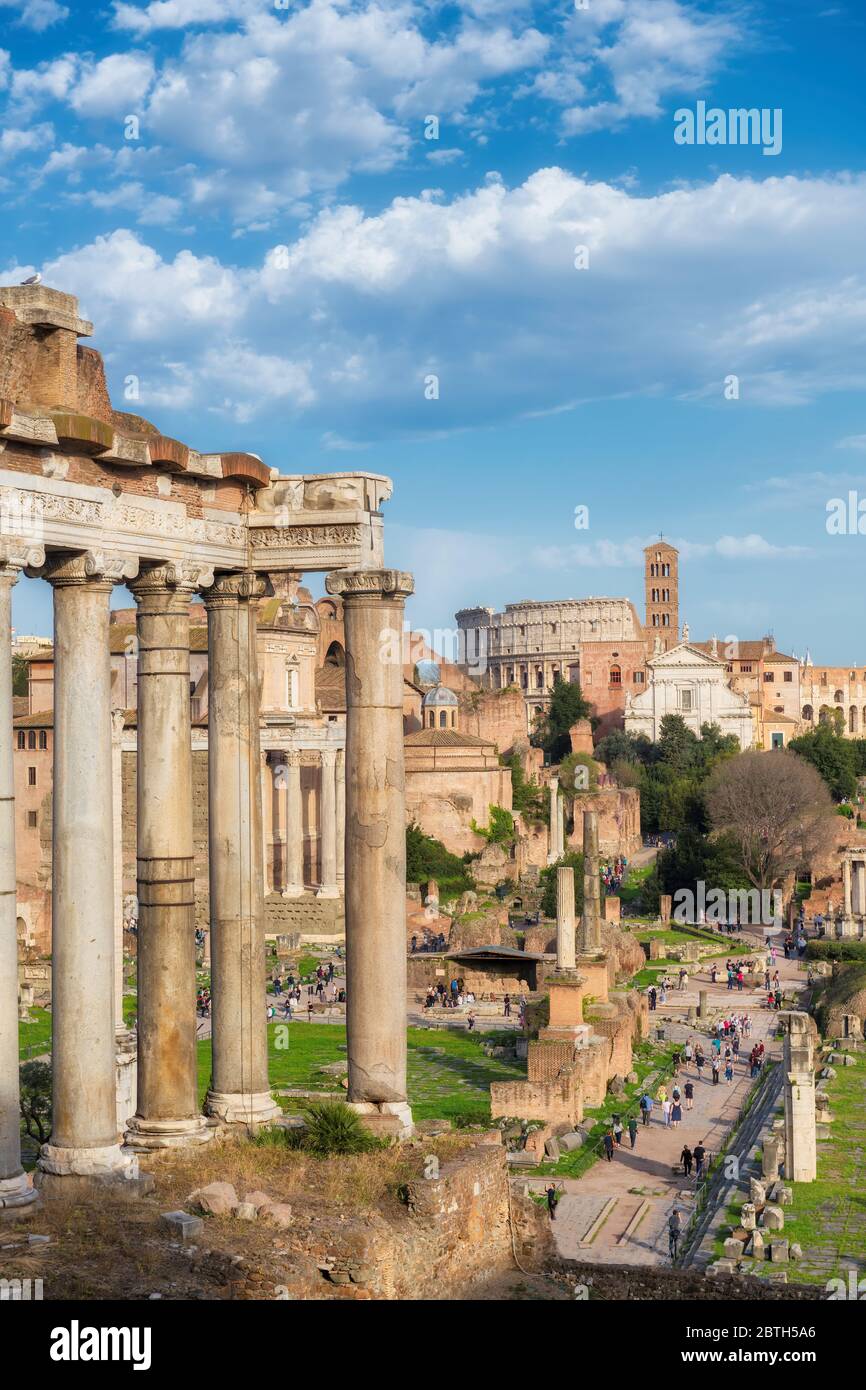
<point x="177" y="576"/>
<point x="242" y="584"/>
<point x="349" y="584"/>
<point x="89" y="566"/>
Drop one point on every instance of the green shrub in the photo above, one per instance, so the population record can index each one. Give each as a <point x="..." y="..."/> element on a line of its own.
<point x="836" y="950"/>
<point x="332" y="1128"/>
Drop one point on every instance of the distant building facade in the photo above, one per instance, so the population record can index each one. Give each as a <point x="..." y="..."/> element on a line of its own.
<point x="695" y="685"/>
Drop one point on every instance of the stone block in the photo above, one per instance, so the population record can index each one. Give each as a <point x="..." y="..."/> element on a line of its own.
<point x="772" y="1218"/>
<point x="279" y="1213"/>
<point x="217" y="1199"/>
<point x="182" y="1224"/>
<point x="632" y="1078"/>
<point x="796" y="1251"/>
<point x="733" y="1248"/>
<point x="571" y="1140"/>
<point x="748" y="1216"/>
<point x="757" y="1192"/>
<point x="551" y="1148"/>
<point x="246" y="1211"/>
<point x="778" y="1252"/>
<point x="756" y="1245"/>
<point x="722" y="1267"/>
<point x="828" y="1073"/>
<point x="259" y="1199"/>
<point x="784" y="1195"/>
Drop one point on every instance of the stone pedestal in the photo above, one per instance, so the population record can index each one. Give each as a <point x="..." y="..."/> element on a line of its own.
<point x="703" y="1003"/>
<point x="167" y="1113"/>
<point x="373" y="605"/>
<point x="239" y="1091"/>
<point x="85" y="1136"/>
<point x="15" y="1189"/>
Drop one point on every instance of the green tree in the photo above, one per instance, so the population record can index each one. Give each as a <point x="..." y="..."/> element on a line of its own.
<point x="835" y="757"/>
<point x="565" y="706"/>
<point x="500" y="831"/>
<point x="35" y="1100"/>
<point x="573" y="859"/>
<point x="618" y="746"/>
<point x="20" y="675"/>
<point x="677" y="745"/>
<point x="526" y="796"/>
<point x="428" y="858"/>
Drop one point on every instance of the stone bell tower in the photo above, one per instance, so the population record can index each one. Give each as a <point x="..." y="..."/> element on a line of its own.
<point x="661" y="589"/>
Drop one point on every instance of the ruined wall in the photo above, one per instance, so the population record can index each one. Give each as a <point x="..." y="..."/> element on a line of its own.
<point x="497" y="715"/>
<point x="557" y="1101"/>
<point x="618" y="810"/>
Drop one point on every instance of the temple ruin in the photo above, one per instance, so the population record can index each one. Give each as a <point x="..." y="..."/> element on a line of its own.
<point x="91" y="497"/>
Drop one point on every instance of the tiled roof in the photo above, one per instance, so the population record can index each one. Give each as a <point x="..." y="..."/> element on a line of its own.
<point x="445" y="738"/>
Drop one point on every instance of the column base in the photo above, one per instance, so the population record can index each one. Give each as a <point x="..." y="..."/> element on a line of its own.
<point x="69" y="1173"/>
<point x="237" y="1108"/>
<point x="294" y="890"/>
<point x="328" y="891"/>
<point x="386" y="1118"/>
<point x="143" y="1135"/>
<point x="17" y="1193"/>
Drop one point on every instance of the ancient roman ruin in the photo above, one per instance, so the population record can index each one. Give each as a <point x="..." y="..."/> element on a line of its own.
<point x="94" y="497"/>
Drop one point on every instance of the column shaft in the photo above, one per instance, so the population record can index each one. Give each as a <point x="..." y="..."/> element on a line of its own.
<point x="294" y="827"/>
<point x="15" y="1189"/>
<point x="328" y="824"/>
<point x="84" y="1139"/>
<point x="168" y="1112"/>
<point x="373" y="605"/>
<point x="341" y="819"/>
<point x="239" y="1091"/>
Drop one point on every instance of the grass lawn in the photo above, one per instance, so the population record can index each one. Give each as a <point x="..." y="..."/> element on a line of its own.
<point x="449" y="1073"/>
<point x="828" y="1216"/>
<point x="34" y="1038"/>
<point x="648" y="1057"/>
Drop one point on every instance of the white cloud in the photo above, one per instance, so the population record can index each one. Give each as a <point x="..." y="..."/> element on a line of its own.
<point x="114" y="86"/>
<point x="37" y="14"/>
<point x="481" y="290"/>
<point x="852" y="441"/>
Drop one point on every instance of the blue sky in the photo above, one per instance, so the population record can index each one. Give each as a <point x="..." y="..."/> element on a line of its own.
<point x="282" y="259"/>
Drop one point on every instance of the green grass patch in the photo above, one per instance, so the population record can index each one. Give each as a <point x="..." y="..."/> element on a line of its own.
<point x="34" y="1038"/>
<point x="449" y="1074"/>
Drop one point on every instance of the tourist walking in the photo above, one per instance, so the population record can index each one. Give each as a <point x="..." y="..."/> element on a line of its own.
<point x="617" y="1130"/>
<point x="646" y="1105"/>
<point x="666" y="1112"/>
<point x="632" y="1130"/>
<point x="690" y="1094"/>
<point x="608" y="1145"/>
<point x="552" y="1200"/>
<point x="686" y="1160"/>
<point x="676" y="1114"/>
<point x="699" y="1153"/>
<point x="675" y="1227"/>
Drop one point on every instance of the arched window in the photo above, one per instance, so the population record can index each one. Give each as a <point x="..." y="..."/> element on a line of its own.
<point x="838" y="697"/>
<point x="22" y="739"/>
<point x="335" y="655"/>
<point x="454" y="719"/>
<point x="443" y="719"/>
<point x="43" y="739"/>
<point x="31" y="739"/>
<point x="852" y="720"/>
<point x="431" y="719"/>
<point x="808" y="713"/>
<point x="615" y="675"/>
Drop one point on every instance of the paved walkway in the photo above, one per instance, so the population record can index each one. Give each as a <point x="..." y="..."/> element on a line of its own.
<point x="642" y="1182"/>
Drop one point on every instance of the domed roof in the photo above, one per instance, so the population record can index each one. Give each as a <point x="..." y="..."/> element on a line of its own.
<point x="439" y="695"/>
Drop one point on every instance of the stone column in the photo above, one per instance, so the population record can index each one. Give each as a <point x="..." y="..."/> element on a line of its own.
<point x="84" y="1145"/>
<point x="294" y="826"/>
<point x="373" y="606"/>
<point x="846" y="883"/>
<point x="554" y="849"/>
<point x="860" y="887"/>
<point x="117" y="851"/>
<point x="15" y="1189"/>
<point x="341" y="819"/>
<point x="239" y="1092"/>
<point x="565" y="919"/>
<point x="267" y="810"/>
<point x="590" y="922"/>
<point x="800" y="1130"/>
<point x="168" y="1111"/>
<point x="328" y="824"/>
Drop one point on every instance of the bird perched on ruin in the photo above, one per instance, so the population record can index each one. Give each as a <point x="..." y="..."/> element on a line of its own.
<point x="33" y="279"/>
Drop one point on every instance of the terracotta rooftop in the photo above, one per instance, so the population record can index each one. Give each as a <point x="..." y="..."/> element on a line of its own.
<point x="445" y="738"/>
